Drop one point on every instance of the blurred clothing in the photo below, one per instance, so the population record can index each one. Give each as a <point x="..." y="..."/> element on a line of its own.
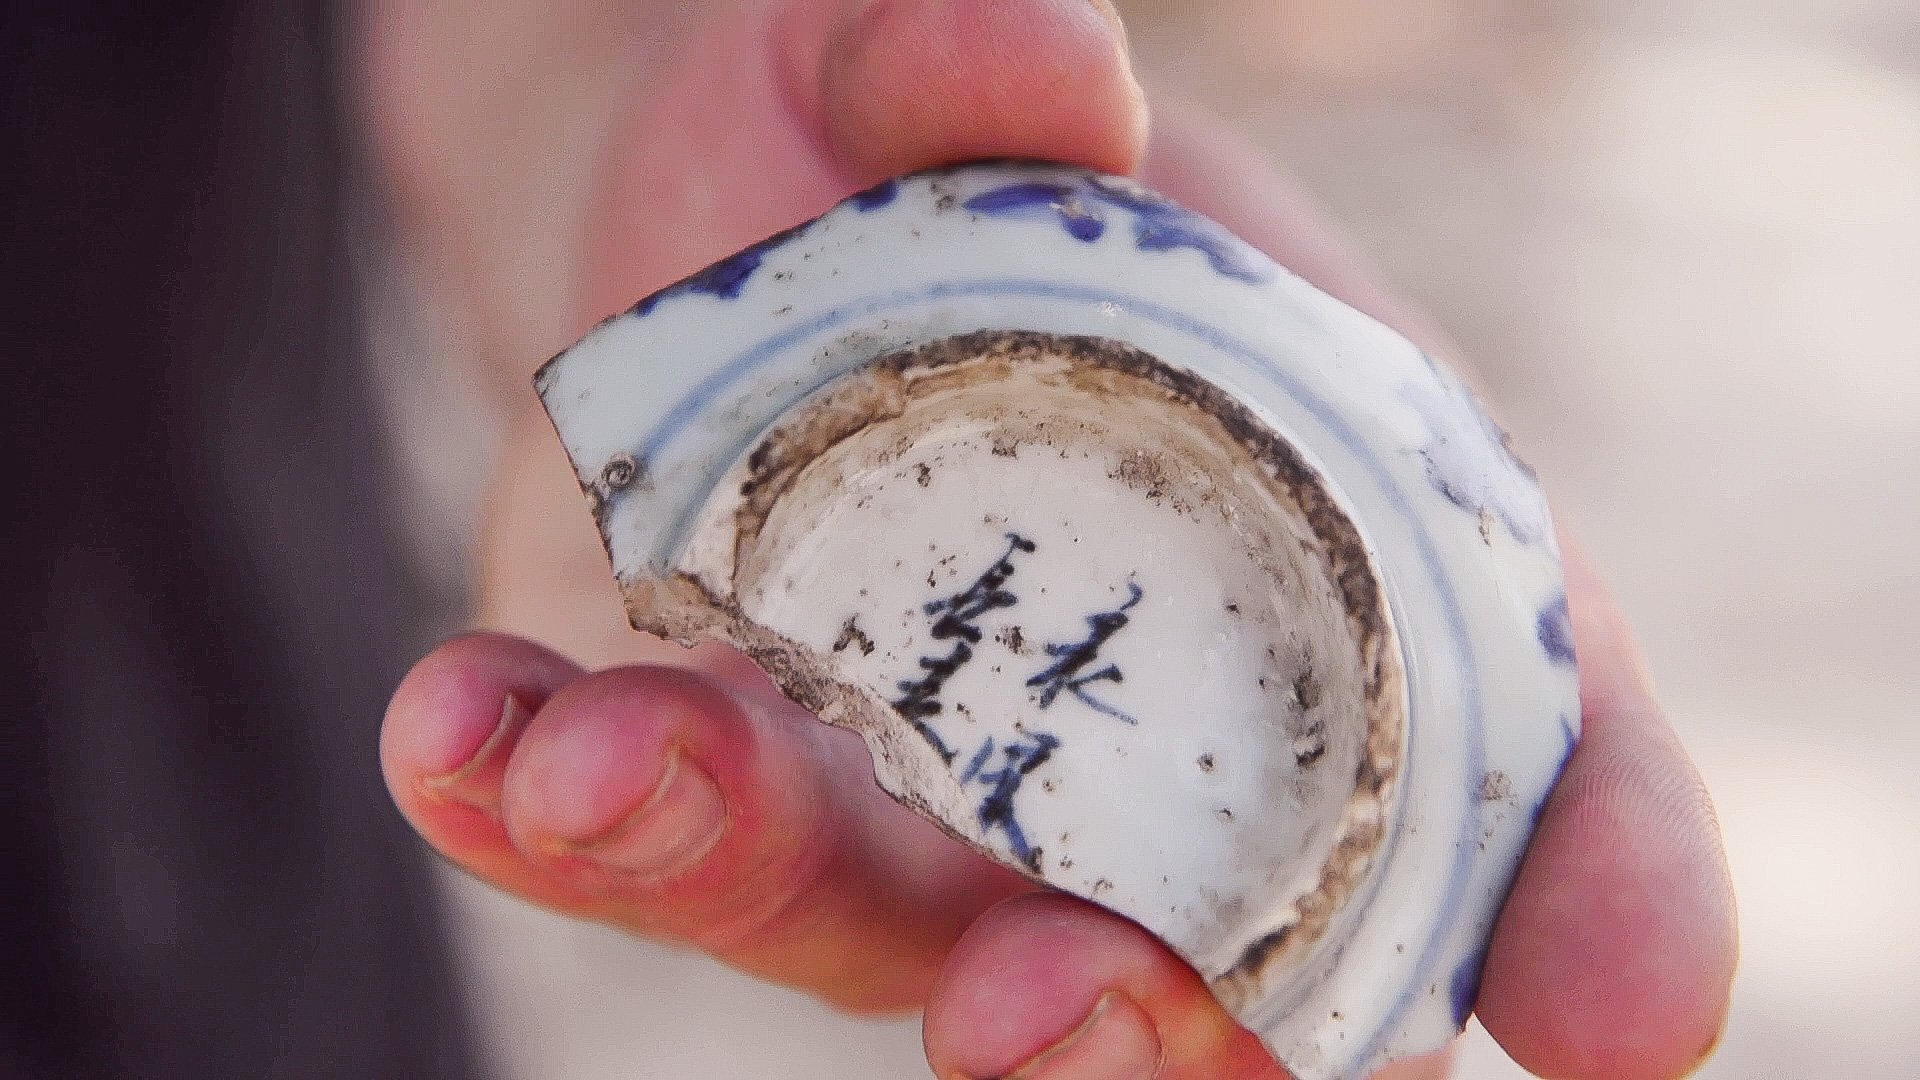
<point x="201" y="873"/>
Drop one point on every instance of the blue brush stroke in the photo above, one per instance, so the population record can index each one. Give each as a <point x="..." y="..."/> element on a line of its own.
<point x="726" y="278"/>
<point x="1554" y="628"/>
<point x="1464" y="988"/>
<point x="1569" y="738"/>
<point x="1071" y="657"/>
<point x="1039" y="198"/>
<point x="996" y="810"/>
<point x="1471" y="463"/>
<point x="979" y="761"/>
<point x="1158" y="225"/>
<point x="723" y="279"/>
<point x="876" y="196"/>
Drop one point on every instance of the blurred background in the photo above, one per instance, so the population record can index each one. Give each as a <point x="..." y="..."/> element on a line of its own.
<point x="1680" y="242"/>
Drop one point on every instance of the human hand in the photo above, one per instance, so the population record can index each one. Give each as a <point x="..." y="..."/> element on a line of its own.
<point x="682" y="798"/>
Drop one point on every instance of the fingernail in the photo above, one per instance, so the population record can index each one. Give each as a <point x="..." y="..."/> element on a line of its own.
<point x="477" y="782"/>
<point x="1115" y="1042"/>
<point x="673" y="829"/>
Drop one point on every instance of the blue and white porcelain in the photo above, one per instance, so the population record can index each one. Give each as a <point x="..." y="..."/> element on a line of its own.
<point x="1143" y="567"/>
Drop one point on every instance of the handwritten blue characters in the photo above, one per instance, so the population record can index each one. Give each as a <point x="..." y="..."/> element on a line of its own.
<point x="996" y="808"/>
<point x="1071" y="658"/>
<point x="920" y="698"/>
<point x="1001" y="769"/>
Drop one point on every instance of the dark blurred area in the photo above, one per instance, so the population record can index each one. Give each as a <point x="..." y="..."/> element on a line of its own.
<point x="203" y="875"/>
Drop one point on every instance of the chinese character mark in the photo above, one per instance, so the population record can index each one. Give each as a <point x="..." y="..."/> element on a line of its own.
<point x="920" y="698"/>
<point x="1003" y="784"/>
<point x="1071" y="659"/>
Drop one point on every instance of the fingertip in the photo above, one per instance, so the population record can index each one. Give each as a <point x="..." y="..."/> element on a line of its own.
<point x="1039" y="977"/>
<point x="910" y="84"/>
<point x="453" y="703"/>
<point x="602" y="747"/>
<point x="774" y="114"/>
<point x="1615" y="955"/>
<point x="1036" y="969"/>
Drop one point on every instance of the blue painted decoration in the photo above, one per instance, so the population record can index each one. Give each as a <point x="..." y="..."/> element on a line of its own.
<point x="1039" y="198"/>
<point x="1158" y="225"/>
<point x="1069" y="659"/>
<point x="1464" y="988"/>
<point x="1554" y="628"/>
<point x="997" y="808"/>
<point x="876" y="196"/>
<point x="1471" y="463"/>
<point x="726" y="278"/>
<point x="920" y="698"/>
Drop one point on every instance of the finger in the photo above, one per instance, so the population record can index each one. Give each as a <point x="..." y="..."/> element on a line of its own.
<point x="1615" y="953"/>
<point x="653" y="799"/>
<point x="753" y="833"/>
<point x="1045" y="987"/>
<point x="450" y="730"/>
<point x="782" y="111"/>
<point x="1032" y="79"/>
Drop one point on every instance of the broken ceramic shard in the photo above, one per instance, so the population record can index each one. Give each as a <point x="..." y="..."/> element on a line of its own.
<point x="1142" y="566"/>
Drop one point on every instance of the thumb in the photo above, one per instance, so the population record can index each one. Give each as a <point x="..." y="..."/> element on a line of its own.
<point x="778" y="111"/>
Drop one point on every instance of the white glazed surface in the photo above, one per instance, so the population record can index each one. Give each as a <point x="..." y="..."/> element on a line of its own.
<point x="1086" y="629"/>
<point x="682" y="386"/>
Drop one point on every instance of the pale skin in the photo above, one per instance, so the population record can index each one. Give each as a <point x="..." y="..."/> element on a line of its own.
<point x="565" y="759"/>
